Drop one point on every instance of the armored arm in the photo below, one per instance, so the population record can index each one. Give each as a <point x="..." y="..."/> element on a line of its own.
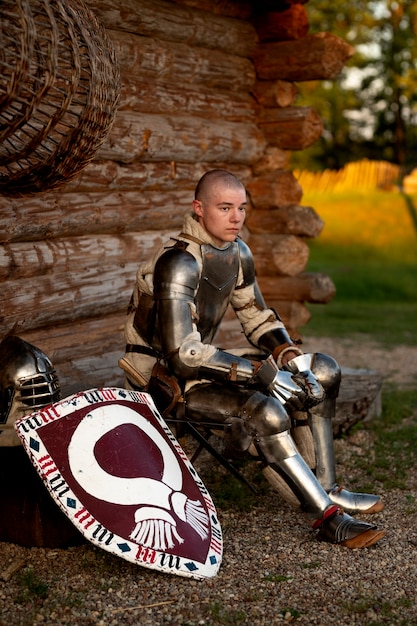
<point x="297" y="385"/>
<point x="262" y="326"/>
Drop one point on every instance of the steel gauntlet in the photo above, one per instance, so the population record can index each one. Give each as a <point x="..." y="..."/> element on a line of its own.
<point x="280" y="384"/>
<point x="295" y="387"/>
<point x="301" y="368"/>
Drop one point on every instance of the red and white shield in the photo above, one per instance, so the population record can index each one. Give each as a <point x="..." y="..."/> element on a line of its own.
<point x="113" y="466"/>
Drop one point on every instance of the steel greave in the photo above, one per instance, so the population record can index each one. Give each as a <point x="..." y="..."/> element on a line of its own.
<point x="322" y="430"/>
<point x="283" y="457"/>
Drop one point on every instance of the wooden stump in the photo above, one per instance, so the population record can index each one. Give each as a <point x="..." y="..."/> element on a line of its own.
<point x="359" y="399"/>
<point x="29" y="517"/>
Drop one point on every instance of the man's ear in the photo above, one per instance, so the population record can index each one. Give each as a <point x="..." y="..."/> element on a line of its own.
<point x="198" y="208"/>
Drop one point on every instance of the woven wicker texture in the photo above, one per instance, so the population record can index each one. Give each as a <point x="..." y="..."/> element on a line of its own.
<point x="59" y="91"/>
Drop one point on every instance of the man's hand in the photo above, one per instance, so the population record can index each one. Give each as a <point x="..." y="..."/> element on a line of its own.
<point x="283" y="385"/>
<point x="300" y="367"/>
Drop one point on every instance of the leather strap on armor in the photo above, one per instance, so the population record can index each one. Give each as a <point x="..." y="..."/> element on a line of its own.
<point x="164" y="389"/>
<point x="283" y="349"/>
<point x="191" y="238"/>
<point x="130" y="347"/>
<point x="276" y="339"/>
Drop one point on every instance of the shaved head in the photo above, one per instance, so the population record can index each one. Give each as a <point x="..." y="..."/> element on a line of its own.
<point x="220" y="205"/>
<point x="212" y="179"/>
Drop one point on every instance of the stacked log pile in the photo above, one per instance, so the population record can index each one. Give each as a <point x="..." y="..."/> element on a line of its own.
<point x="204" y="84"/>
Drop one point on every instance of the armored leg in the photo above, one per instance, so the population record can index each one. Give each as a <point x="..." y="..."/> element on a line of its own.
<point x="265" y="424"/>
<point x="269" y="425"/>
<point x="303" y="437"/>
<point x="328" y="373"/>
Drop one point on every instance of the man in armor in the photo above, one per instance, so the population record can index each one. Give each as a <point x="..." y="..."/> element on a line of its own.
<point x="179" y="300"/>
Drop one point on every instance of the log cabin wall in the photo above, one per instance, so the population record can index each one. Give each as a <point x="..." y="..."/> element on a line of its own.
<point x="204" y="84"/>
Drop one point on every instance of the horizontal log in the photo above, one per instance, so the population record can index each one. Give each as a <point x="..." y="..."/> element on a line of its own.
<point x="318" y="56"/>
<point x="308" y="287"/>
<point x="291" y="219"/>
<point x="107" y="175"/>
<point x="291" y="128"/>
<point x="156" y="177"/>
<point x="178" y="63"/>
<point x="279" y="254"/>
<point x="62" y="342"/>
<point x="274" y="189"/>
<point x="30" y="259"/>
<point x="72" y="214"/>
<point x="61" y="297"/>
<point x="98" y="370"/>
<point x="242" y="9"/>
<point x="74" y="291"/>
<point x="283" y="25"/>
<point x="167" y="20"/>
<point x="84" y="353"/>
<point x="156" y="97"/>
<point x="273" y="159"/>
<point x="272" y="93"/>
<point x="147" y="137"/>
<point x="71" y="279"/>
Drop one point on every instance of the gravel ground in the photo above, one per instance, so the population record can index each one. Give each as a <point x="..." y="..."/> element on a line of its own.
<point x="274" y="570"/>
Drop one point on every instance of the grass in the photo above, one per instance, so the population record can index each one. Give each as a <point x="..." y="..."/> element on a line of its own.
<point x="387" y="323"/>
<point x="394" y="445"/>
<point x="384" y="610"/>
<point x="226" y="616"/>
<point x="369" y="249"/>
<point x="230" y="493"/>
<point x="32" y="588"/>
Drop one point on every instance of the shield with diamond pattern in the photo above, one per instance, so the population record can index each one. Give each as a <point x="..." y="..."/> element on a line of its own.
<point x="112" y="464"/>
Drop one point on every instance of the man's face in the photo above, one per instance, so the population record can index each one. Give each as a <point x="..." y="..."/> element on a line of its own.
<point x="222" y="212"/>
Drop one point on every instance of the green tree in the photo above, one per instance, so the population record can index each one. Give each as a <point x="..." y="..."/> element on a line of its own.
<point x="391" y="88"/>
<point x="370" y="109"/>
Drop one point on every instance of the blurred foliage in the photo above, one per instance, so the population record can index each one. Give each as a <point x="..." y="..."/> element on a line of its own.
<point x="370" y="110"/>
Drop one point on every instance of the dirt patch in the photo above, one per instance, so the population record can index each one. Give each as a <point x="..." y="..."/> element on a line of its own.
<point x="397" y="365"/>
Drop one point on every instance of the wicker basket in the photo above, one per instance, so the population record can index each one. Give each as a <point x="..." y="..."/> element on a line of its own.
<point x="59" y="90"/>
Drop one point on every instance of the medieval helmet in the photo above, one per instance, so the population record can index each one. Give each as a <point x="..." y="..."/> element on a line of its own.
<point x="28" y="382"/>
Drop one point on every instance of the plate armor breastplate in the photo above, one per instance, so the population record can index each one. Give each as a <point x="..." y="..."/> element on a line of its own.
<point x="218" y="279"/>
